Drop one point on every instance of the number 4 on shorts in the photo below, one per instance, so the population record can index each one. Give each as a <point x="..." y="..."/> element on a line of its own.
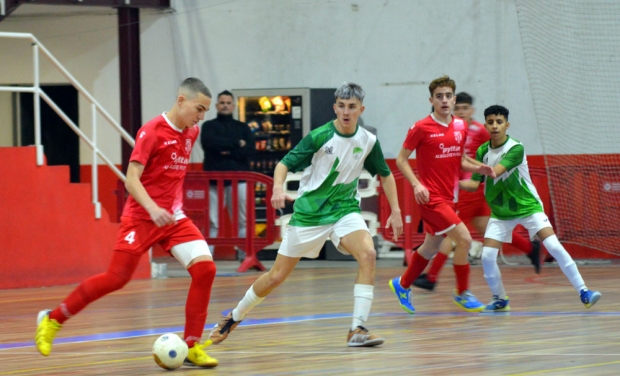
<point x="131" y="237"/>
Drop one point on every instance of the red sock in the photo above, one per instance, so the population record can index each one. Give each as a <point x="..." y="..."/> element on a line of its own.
<point x="436" y="265"/>
<point x="119" y="273"/>
<point x="415" y="268"/>
<point x="522" y="243"/>
<point x="203" y="274"/>
<point x="462" y="278"/>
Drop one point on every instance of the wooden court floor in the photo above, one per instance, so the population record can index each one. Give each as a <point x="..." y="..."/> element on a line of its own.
<point x="301" y="328"/>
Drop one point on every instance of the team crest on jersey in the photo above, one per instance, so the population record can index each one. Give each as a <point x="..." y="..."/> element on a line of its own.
<point x="329" y="150"/>
<point x="357" y="153"/>
<point x="188" y="145"/>
<point x="458" y="136"/>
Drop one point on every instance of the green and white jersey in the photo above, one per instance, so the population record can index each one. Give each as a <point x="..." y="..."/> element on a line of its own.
<point x="512" y="194"/>
<point x="331" y="164"/>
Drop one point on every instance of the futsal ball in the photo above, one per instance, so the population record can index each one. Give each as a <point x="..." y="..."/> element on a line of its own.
<point x="169" y="351"/>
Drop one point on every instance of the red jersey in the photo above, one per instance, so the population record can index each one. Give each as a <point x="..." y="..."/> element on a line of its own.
<point x="164" y="151"/>
<point x="439" y="149"/>
<point x="477" y="135"/>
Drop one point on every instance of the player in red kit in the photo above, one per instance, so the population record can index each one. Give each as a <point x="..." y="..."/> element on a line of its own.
<point x="471" y="206"/>
<point x="153" y="214"/>
<point x="439" y="141"/>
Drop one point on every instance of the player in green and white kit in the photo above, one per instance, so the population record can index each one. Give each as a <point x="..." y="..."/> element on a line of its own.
<point x="513" y="200"/>
<point x="328" y="206"/>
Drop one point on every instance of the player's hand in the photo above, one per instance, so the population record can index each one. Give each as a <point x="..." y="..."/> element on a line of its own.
<point x="487" y="170"/>
<point x="396" y="222"/>
<point x="421" y="194"/>
<point x="279" y="198"/>
<point x="161" y="217"/>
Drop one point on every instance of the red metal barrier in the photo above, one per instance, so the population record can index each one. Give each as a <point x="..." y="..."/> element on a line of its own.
<point x="196" y="206"/>
<point x="410" y="237"/>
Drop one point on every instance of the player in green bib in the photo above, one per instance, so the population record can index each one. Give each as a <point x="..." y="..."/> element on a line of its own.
<point x="332" y="158"/>
<point x="513" y="200"/>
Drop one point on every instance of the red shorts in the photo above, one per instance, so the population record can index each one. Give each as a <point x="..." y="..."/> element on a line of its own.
<point x="439" y="217"/>
<point x="472" y="205"/>
<point x="138" y="235"/>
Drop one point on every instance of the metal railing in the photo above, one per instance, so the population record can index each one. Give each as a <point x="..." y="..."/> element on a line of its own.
<point x="37" y="49"/>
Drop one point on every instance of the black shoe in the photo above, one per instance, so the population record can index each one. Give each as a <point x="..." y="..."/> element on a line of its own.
<point x="424" y="283"/>
<point x="534" y="256"/>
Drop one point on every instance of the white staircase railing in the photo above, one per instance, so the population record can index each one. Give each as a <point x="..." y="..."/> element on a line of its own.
<point x="37" y="47"/>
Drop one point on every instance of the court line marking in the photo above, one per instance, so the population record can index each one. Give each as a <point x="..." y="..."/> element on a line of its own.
<point x="377" y="352"/>
<point x="287" y="320"/>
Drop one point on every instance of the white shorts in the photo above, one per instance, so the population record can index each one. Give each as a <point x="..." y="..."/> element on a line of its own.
<point x="501" y="229"/>
<point x="186" y="252"/>
<point x="307" y="241"/>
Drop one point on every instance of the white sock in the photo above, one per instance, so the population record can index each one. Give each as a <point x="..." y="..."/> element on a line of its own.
<point x="565" y="262"/>
<point x="363" y="296"/>
<point x="491" y="271"/>
<point x="249" y="301"/>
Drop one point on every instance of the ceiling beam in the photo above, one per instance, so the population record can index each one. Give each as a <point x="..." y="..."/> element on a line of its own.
<point x="8" y="6"/>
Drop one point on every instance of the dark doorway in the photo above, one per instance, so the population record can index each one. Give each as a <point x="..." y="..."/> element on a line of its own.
<point x="60" y="144"/>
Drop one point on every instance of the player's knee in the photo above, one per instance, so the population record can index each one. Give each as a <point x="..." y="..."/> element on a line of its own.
<point x="464" y="243"/>
<point x="276" y="278"/>
<point x="116" y="281"/>
<point x="488" y="256"/>
<point x="367" y="257"/>
<point x="203" y="271"/>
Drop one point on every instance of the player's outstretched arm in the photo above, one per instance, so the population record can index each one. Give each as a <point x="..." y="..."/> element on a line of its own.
<point x="471" y="165"/>
<point x="469" y="185"/>
<point x="487" y="171"/>
<point x="499" y="169"/>
<point x="395" y="220"/>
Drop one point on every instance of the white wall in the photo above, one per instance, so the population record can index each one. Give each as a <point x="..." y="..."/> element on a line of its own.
<point x="85" y="44"/>
<point x="392" y="48"/>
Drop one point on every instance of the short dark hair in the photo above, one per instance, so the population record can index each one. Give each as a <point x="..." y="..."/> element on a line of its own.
<point x="496" y="109"/>
<point x="190" y="87"/>
<point x="226" y="92"/>
<point x="464" y="97"/>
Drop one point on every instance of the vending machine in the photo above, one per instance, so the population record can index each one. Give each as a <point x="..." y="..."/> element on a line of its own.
<point x="280" y="118"/>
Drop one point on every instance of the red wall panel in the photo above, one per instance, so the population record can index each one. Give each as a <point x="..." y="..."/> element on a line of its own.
<point x="48" y="231"/>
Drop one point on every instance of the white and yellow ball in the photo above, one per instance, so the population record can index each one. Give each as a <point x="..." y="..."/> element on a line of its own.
<point x="169" y="351"/>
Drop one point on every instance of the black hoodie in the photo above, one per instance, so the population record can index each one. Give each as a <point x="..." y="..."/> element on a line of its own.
<point x="222" y="134"/>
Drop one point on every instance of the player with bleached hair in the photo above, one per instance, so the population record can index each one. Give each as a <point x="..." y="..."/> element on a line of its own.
<point x="328" y="206"/>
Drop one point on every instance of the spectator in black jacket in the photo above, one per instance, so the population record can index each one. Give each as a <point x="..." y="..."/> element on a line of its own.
<point x="228" y="145"/>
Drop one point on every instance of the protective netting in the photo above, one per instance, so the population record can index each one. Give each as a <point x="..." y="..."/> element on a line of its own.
<point x="572" y="55"/>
